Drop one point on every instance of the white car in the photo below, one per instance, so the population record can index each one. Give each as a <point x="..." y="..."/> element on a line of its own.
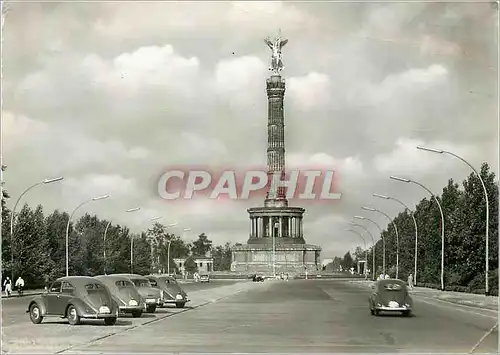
<point x="205" y="278"/>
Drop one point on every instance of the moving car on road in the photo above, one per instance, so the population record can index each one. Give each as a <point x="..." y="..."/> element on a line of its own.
<point x="205" y="278"/>
<point x="149" y="294"/>
<point x="124" y="294"/>
<point x="74" y="298"/>
<point x="390" y="295"/>
<point x="171" y="291"/>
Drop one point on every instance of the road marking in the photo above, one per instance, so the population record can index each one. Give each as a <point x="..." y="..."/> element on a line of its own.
<point x="168" y="315"/>
<point x="457" y="306"/>
<point x="482" y="338"/>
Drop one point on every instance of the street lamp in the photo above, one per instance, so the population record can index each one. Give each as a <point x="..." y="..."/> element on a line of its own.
<point x="106" y="232"/>
<point x="487" y="267"/>
<point x="46" y="181"/>
<point x="381" y="236"/>
<point x="69" y="220"/>
<point x="364" y="242"/>
<point x="397" y="235"/>
<point x="276" y="225"/>
<point x="442" y="220"/>
<point x="414" y="223"/>
<point x="373" y="245"/>
<point x="168" y="249"/>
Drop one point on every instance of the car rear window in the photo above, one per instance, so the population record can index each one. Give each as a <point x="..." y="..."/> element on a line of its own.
<point x="141" y="283"/>
<point x="93" y="287"/>
<point x="123" y="283"/>
<point x="393" y="287"/>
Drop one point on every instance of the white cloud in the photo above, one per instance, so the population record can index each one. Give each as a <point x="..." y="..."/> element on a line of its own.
<point x="349" y="166"/>
<point x="152" y="66"/>
<point x="92" y="185"/>
<point x="238" y="80"/>
<point x="405" y="158"/>
<point x="411" y="81"/>
<point x="309" y="91"/>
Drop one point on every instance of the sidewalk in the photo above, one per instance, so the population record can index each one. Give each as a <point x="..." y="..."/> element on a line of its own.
<point x="466" y="299"/>
<point x="26" y="293"/>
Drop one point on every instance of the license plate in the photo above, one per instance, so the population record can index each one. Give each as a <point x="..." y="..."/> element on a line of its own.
<point x="393" y="304"/>
<point x="132" y="303"/>
<point x="151" y="300"/>
<point x="104" y="309"/>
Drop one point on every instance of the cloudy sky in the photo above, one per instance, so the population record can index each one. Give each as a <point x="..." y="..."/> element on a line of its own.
<point x="109" y="94"/>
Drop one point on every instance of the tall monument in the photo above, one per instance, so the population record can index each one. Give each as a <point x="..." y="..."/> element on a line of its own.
<point x="276" y="243"/>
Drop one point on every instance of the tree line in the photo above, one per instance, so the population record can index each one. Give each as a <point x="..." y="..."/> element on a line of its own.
<point x="39" y="247"/>
<point x="464" y="211"/>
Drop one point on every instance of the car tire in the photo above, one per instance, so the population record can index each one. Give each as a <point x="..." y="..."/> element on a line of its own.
<point x="150" y="309"/>
<point x="35" y="314"/>
<point x="372" y="312"/>
<point x="376" y="312"/>
<point x="180" y="304"/>
<point x="72" y="315"/>
<point x="406" y="313"/>
<point x="110" y="321"/>
<point x="136" y="314"/>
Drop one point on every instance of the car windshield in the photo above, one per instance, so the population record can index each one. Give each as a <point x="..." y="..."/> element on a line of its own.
<point x="168" y="280"/>
<point x="141" y="283"/>
<point x="123" y="283"/>
<point x="153" y="282"/>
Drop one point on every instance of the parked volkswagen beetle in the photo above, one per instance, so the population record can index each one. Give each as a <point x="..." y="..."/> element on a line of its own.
<point x="74" y="298"/>
<point x="390" y="295"/>
<point x="149" y="294"/>
<point x="171" y="291"/>
<point x="124" y="293"/>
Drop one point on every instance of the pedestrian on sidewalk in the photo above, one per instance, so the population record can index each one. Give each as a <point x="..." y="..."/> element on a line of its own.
<point x="8" y="286"/>
<point x="410" y="281"/>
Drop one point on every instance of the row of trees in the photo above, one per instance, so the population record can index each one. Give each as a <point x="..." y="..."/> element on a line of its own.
<point x="465" y="241"/>
<point x="40" y="243"/>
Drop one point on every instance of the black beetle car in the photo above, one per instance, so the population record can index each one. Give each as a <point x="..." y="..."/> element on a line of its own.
<point x="390" y="295"/>
<point x="74" y="298"/>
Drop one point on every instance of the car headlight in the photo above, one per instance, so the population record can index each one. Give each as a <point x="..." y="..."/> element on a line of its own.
<point x="179" y="297"/>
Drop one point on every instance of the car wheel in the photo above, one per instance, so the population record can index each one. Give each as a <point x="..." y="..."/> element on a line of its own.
<point x="150" y="309"/>
<point x="110" y="321"/>
<point x="372" y="312"/>
<point x="35" y="314"/>
<point x="137" y="314"/>
<point x="72" y="315"/>
<point x="407" y="313"/>
<point x="180" y="304"/>
<point x="376" y="312"/>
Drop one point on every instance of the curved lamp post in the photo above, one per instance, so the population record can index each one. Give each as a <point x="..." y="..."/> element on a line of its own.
<point x="381" y="236"/>
<point x="168" y="249"/>
<point x="364" y="242"/>
<point x="373" y="245"/>
<point x="442" y="220"/>
<point x="46" y="181"/>
<point x="69" y="220"/>
<point x="106" y="232"/>
<point x="414" y="223"/>
<point x="439" y="151"/>
<point x="397" y="234"/>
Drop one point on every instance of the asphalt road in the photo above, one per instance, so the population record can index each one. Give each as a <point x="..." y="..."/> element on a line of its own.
<point x="308" y="316"/>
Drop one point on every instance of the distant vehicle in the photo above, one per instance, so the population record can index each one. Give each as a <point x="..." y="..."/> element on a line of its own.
<point x="390" y="295"/>
<point x="124" y="293"/>
<point x="74" y="298"/>
<point x="149" y="294"/>
<point x="171" y="291"/>
<point x="204" y="278"/>
<point x="257" y="278"/>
